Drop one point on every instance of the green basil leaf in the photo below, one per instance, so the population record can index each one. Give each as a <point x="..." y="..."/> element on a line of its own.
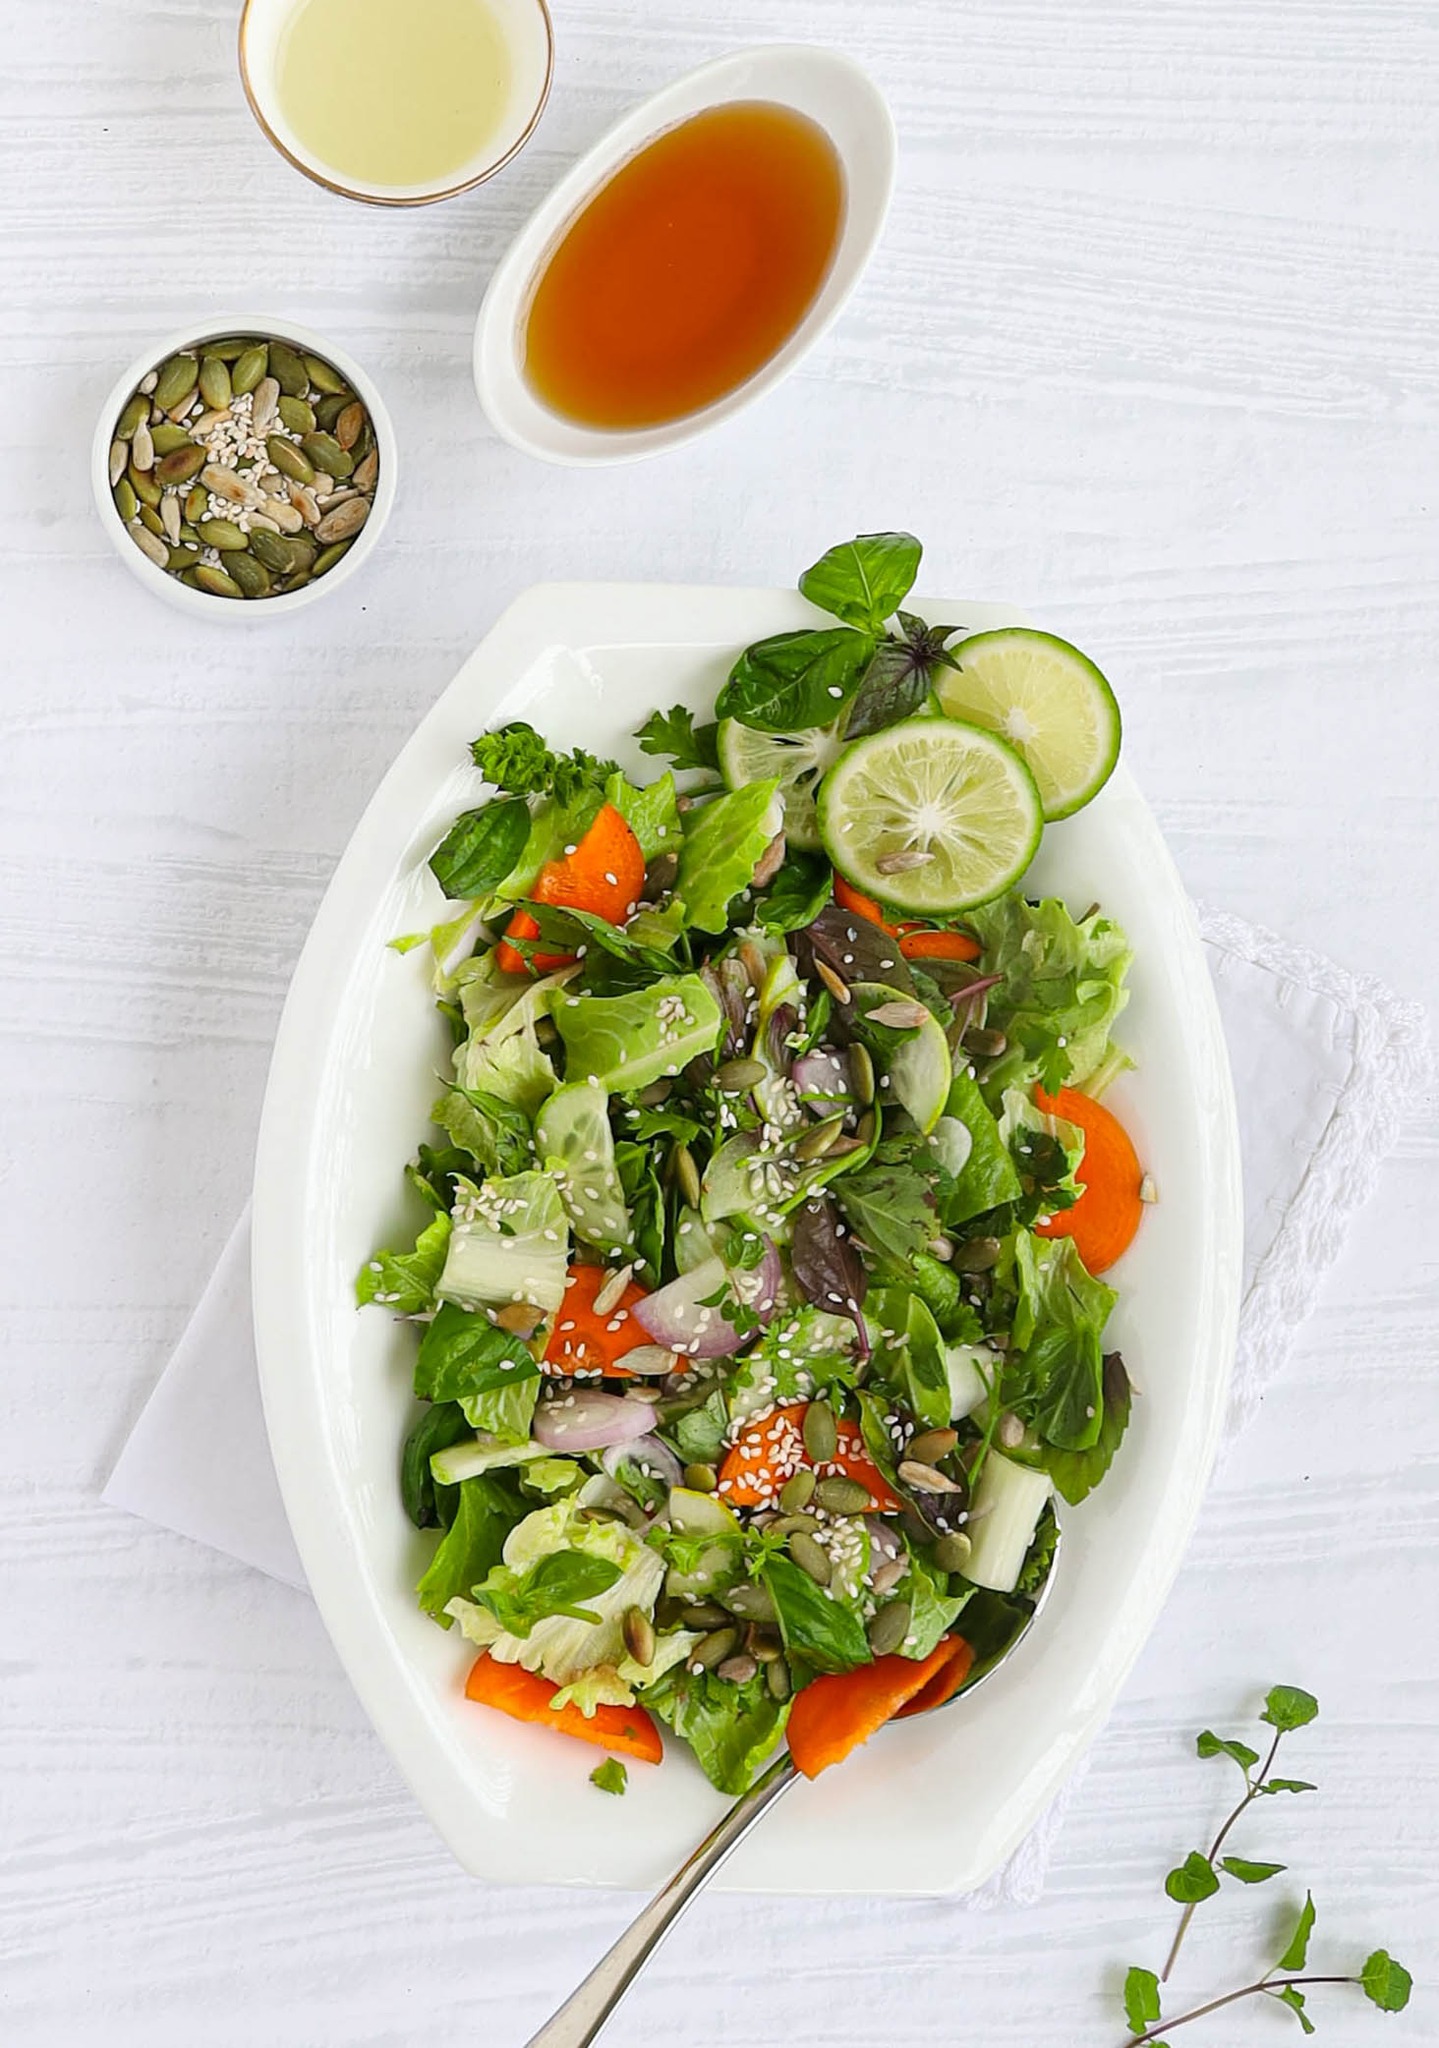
<point x="1297" y="1953"/>
<point x="553" y="1584"/>
<point x="481" y="848"/>
<point x="462" y="1354"/>
<point x="487" y="1510"/>
<point x="828" y="1635"/>
<point x="1192" y="1881"/>
<point x="1077" y="1472"/>
<point x="1141" y="1999"/>
<point x="864" y="581"/>
<point x="434" y="1429"/>
<point x="1386" y="1983"/>
<point x="795" y="680"/>
<point x="1289" y="1707"/>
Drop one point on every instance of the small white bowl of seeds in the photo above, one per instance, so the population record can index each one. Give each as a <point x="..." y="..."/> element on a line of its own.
<point x="245" y="470"/>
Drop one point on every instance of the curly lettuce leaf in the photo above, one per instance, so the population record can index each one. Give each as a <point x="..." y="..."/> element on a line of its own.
<point x="406" y="1281"/>
<point x="732" y="1729"/>
<point x="1061" y="990"/>
<point x="723" y="841"/>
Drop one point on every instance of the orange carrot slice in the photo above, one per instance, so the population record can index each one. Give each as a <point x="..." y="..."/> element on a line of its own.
<point x="603" y="875"/>
<point x="583" y="1341"/>
<point x="1104" y="1219"/>
<point x="836" y="1713"/>
<point x="945" y="1682"/>
<point x="927" y="945"/>
<point x="770" y="1448"/>
<point x="525" y="1696"/>
<point x="855" y="901"/>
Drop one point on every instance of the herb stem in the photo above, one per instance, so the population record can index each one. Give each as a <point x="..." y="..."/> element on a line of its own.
<point x="1252" y="1790"/>
<point x="1270" y="1984"/>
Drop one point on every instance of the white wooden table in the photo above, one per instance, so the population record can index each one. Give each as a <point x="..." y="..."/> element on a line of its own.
<point x="1152" y="348"/>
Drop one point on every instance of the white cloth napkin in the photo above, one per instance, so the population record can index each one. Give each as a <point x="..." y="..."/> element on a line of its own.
<point x="1326" y="1067"/>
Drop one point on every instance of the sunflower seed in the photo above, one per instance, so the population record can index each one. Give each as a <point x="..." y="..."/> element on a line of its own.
<point x="520" y="1318"/>
<point x="367" y="470"/>
<point x="230" y="485"/>
<point x="1148" y="1192"/>
<point x="889" y="1627"/>
<point x="119" y="456"/>
<point x="899" y="1015"/>
<point x="609" y="1295"/>
<point x="650" y="1361"/>
<point x="925" y="1479"/>
<point x="267" y="397"/>
<point x="739" y="1669"/>
<point x="987" y="1044"/>
<point x="889" y="1574"/>
<point x="170" y="518"/>
<point x="1010" y="1432"/>
<point x="837" y="988"/>
<point x="932" y="1445"/>
<point x="289" y="518"/>
<point x="142" y="447"/>
<point x="150" y="545"/>
<point x="902" y="863"/>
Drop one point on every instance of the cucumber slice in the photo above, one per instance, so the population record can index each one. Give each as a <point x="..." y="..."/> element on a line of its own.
<point x="572" y="1136"/>
<point x="799" y="759"/>
<point x="1048" y="700"/>
<point x="919" y="1070"/>
<point x="702" y="1514"/>
<point x="956" y="796"/>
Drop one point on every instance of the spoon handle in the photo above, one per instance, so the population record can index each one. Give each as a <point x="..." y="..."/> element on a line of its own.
<point x="585" y="2011"/>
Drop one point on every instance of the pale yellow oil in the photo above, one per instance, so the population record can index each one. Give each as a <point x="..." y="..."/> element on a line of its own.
<point x="394" y="92"/>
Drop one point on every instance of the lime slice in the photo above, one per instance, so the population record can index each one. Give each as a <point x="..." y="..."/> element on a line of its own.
<point x="797" y="758"/>
<point x="930" y="815"/>
<point x="1048" y="700"/>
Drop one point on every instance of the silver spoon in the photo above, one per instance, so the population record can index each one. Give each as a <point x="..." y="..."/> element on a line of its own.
<point x="587" y="2008"/>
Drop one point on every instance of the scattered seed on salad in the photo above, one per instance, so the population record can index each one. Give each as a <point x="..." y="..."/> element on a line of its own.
<point x="216" y="442"/>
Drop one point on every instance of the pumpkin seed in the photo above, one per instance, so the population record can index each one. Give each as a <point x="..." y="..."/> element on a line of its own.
<point x="367" y="470"/>
<point x="699" y="1478"/>
<point x="977" y="1256"/>
<point x="932" y="1444"/>
<point x="272" y="550"/>
<point x="327" y="455"/>
<point x="197" y="504"/>
<point x="150" y="545"/>
<point x="304" y="551"/>
<point x="144" y="486"/>
<point x="687" y="1174"/>
<point x="841" y="1496"/>
<point x="215" y="382"/>
<point x="228" y="348"/>
<point x="814" y="1144"/>
<point x="951" y="1552"/>
<point x="811" y="1557"/>
<point x="288" y="459"/>
<point x="142" y="448"/>
<point x="297" y="416"/>
<point x="216" y="581"/>
<point x="289" y="371"/>
<point x="344" y="522"/>
<point x="326" y="378"/>
<point x="249" y="369"/>
<point x="176" y="381"/>
<point x="126" y="503"/>
<point x="861" y="1074"/>
<point x="712" y="1649"/>
<point x="151" y="520"/>
<point x="167" y="437"/>
<point x="821" y="1432"/>
<point x="987" y="1044"/>
<point x="251" y="575"/>
<point x="750" y="1601"/>
<point x="138" y="409"/>
<point x="189" y="535"/>
<point x="262" y="409"/>
<point x="868" y="1125"/>
<point x="348" y="424"/>
<point x="797" y="1491"/>
<point x="703" y="1614"/>
<point x="739" y="1669"/>
<point x="181" y="464"/>
<point x="324" y="562"/>
<point x="776" y="1677"/>
<point x="222" y="534"/>
<point x="328" y="410"/>
<point x="889" y="1627"/>
<point x="639" y="1635"/>
<point x="182" y="558"/>
<point x="785" y="1525"/>
<point x="735" y="1076"/>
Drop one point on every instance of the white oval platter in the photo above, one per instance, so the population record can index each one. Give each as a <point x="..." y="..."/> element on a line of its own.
<point x="935" y="1805"/>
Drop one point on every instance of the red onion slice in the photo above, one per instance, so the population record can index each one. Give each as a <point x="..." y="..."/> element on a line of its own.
<point x="587" y="1420"/>
<point x="677" y="1316"/>
<point x="822" y="1075"/>
<point x="651" y="1454"/>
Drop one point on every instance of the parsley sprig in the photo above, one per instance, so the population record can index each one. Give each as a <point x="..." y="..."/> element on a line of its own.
<point x="1384" y="1982"/>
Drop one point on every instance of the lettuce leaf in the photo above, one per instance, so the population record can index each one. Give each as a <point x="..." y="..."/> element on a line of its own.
<point x="512" y="1068"/>
<point x="652" y="813"/>
<point x="1061" y="990"/>
<point x="406" y="1281"/>
<point x="732" y="1729"/>
<point x="723" y="841"/>
<point x="933" y="1609"/>
<point x="1053" y="1375"/>
<point x="494" y="1133"/>
<point x="505" y="1413"/>
<point x="509" y="1242"/>
<point x="987" y="1178"/>
<point x="910" y="1360"/>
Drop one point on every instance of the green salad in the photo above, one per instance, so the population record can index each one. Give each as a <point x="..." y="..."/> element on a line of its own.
<point x="756" y="1299"/>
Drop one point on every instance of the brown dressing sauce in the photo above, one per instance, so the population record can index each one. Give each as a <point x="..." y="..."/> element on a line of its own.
<point x="688" y="270"/>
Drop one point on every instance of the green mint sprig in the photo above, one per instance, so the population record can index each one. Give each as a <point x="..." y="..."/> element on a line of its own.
<point x="1384" y="1982"/>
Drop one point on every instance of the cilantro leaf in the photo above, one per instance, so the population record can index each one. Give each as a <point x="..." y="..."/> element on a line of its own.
<point x="610" y="1776"/>
<point x="675" y="733"/>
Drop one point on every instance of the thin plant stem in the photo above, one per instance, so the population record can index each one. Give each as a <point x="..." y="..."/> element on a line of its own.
<point x="1252" y="1790"/>
<point x="1197" y="2012"/>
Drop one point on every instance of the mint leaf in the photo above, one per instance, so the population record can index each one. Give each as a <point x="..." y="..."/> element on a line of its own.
<point x="1141" y="1999"/>
<point x="610" y="1776"/>
<point x="1287" y="1785"/>
<point x="1386" y="1983"/>
<point x="481" y="848"/>
<point x="1295" y="2002"/>
<point x="864" y="581"/>
<point x="795" y="680"/>
<point x="1295" y="1956"/>
<point x="675" y="733"/>
<point x="463" y="1353"/>
<point x="1250" y="1873"/>
<point x="1210" y="1744"/>
<point x="1193" y="1880"/>
<point x="1288" y="1707"/>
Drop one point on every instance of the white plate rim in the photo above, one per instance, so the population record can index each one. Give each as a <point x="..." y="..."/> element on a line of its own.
<point x="469" y="1805"/>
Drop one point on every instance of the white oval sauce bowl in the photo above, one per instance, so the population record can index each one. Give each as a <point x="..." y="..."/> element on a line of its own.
<point x="824" y="85"/>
